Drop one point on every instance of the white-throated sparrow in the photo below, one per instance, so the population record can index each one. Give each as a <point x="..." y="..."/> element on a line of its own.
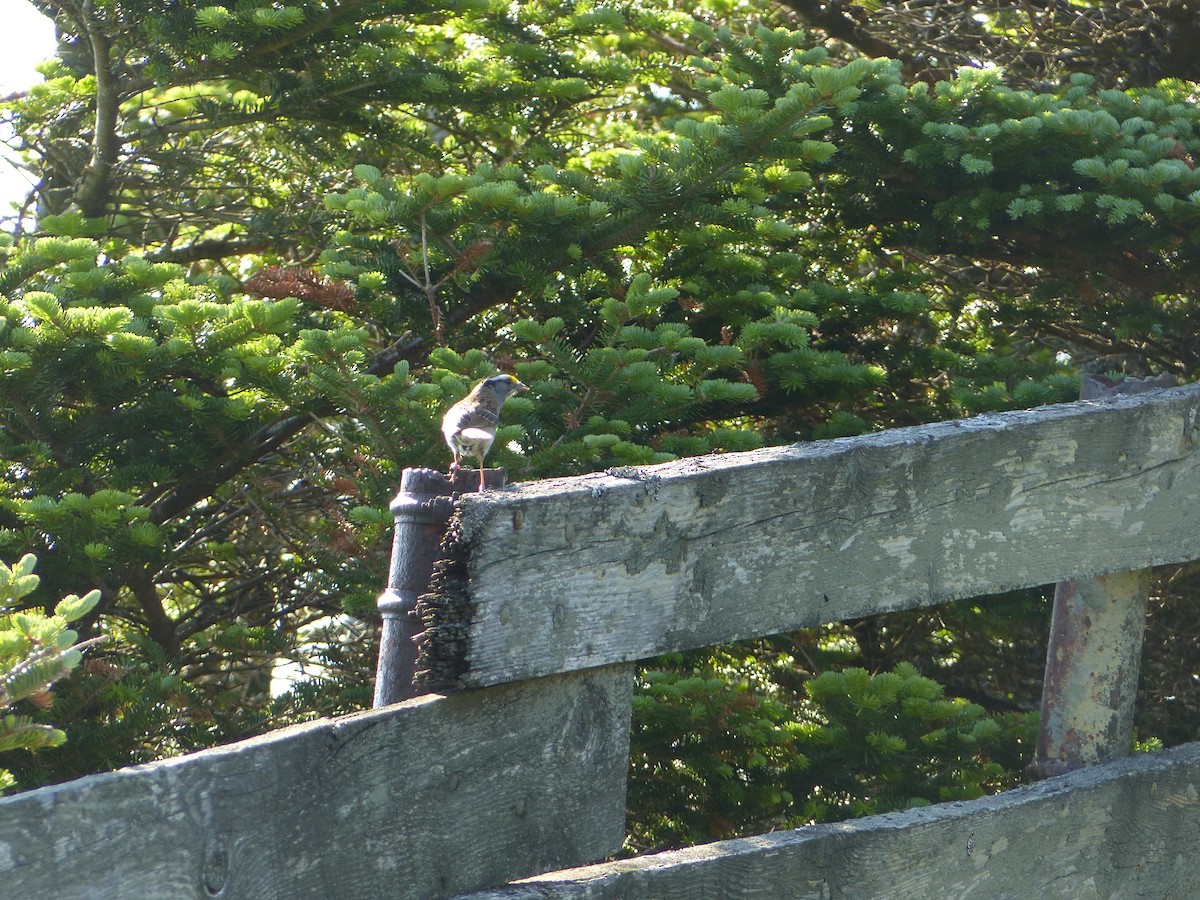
<point x="470" y="424"/>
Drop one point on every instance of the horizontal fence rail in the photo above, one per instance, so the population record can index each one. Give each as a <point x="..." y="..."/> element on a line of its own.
<point x="1127" y="829"/>
<point x="428" y="798"/>
<point x="566" y="574"/>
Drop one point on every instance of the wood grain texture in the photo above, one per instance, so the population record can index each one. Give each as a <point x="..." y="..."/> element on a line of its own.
<point x="1124" y="829"/>
<point x="625" y="565"/>
<point x="430" y="797"/>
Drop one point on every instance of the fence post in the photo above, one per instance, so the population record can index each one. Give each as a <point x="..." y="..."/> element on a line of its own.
<point x="421" y="509"/>
<point x="1095" y="649"/>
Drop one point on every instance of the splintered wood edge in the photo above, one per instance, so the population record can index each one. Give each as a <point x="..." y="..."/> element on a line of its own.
<point x="445" y="612"/>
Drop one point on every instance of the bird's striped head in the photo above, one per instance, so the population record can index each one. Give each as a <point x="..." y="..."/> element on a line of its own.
<point x="503" y="385"/>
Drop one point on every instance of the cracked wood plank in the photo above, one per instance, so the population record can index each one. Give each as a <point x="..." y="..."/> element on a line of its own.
<point x="427" y="798"/>
<point x="571" y="573"/>
<point x="1129" y="828"/>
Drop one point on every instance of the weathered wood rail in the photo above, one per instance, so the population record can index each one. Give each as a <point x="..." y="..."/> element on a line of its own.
<point x="546" y="595"/>
<point x="1125" y="829"/>
<point x="565" y="574"/>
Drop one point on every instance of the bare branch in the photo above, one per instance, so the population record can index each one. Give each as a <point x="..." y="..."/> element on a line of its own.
<point x="94" y="189"/>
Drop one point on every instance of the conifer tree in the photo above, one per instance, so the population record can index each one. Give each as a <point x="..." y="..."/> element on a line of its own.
<point x="272" y="243"/>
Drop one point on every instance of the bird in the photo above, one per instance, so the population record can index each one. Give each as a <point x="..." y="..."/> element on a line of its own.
<point x="470" y="424"/>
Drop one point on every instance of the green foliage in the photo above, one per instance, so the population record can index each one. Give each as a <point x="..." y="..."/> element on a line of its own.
<point x="688" y="227"/>
<point x="36" y="650"/>
<point x="725" y="745"/>
<point x="1054" y="180"/>
<point x="154" y="443"/>
<point x="914" y="745"/>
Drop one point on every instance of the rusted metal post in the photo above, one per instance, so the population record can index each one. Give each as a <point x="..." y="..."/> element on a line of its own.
<point x="1092" y="667"/>
<point x="421" y="509"/>
<point x="1095" y="650"/>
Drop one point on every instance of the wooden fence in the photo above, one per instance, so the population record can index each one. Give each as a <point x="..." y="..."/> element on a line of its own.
<point x="549" y="592"/>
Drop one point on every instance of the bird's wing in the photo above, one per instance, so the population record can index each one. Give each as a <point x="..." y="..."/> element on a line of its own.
<point x="478" y="418"/>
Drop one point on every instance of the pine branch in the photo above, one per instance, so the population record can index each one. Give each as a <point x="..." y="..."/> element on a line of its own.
<point x="485" y="295"/>
<point x="212" y="249"/>
<point x="312" y="26"/>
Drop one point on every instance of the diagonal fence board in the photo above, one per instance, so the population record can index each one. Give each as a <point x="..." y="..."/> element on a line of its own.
<point x="434" y="796"/>
<point x="622" y="566"/>
<point x="1129" y="828"/>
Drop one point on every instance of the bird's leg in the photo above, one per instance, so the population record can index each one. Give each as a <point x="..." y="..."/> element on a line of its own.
<point x="482" y="485"/>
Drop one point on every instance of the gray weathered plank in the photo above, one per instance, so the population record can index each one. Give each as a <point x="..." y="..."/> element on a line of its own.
<point x="1127" y="829"/>
<point x="429" y="797"/>
<point x="622" y="566"/>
